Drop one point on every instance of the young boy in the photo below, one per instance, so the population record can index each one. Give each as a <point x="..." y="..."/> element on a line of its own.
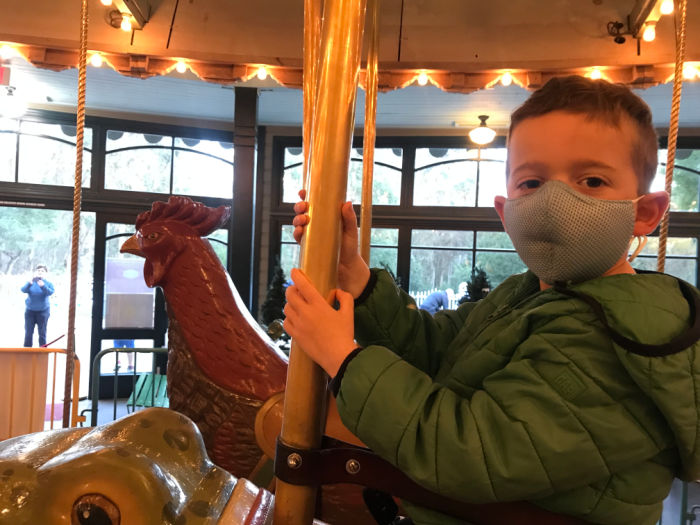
<point x="573" y="385"/>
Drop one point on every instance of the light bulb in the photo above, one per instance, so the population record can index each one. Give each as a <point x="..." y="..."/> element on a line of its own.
<point x="482" y="134"/>
<point x="7" y="52"/>
<point x="126" y="23"/>
<point x="96" y="60"/>
<point x="262" y="73"/>
<point x="666" y="7"/>
<point x="595" y="74"/>
<point x="106" y="2"/>
<point x="689" y="72"/>
<point x="422" y="78"/>
<point x="506" y="79"/>
<point x="181" y="66"/>
<point x="649" y="33"/>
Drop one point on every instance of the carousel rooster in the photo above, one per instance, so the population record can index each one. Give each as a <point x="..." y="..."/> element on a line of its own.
<point x="221" y="365"/>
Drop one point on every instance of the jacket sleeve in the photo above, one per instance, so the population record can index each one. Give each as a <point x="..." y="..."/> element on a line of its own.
<point x="389" y="317"/>
<point x="48" y="288"/>
<point x="540" y="424"/>
<point x="26" y="287"/>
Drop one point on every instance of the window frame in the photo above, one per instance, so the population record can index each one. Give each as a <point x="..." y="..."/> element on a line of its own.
<point x="405" y="217"/>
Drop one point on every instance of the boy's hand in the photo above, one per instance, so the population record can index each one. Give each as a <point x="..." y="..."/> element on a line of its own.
<point x="353" y="272"/>
<point x="40" y="282"/>
<point x="325" y="334"/>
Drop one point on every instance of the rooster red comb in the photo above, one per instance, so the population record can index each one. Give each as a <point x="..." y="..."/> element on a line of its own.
<point x="200" y="217"/>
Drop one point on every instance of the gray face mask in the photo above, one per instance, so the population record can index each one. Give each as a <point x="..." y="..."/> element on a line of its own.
<point x="565" y="236"/>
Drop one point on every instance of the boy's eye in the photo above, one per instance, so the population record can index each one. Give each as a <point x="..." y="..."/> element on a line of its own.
<point x="530" y="184"/>
<point x="593" y="182"/>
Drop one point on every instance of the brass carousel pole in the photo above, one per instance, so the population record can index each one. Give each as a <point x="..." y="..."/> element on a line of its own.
<point x="312" y="34"/>
<point x="333" y="123"/>
<point x="77" y="189"/>
<point x="370" y="129"/>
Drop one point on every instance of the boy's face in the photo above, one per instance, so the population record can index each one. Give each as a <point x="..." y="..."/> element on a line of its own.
<point x="592" y="157"/>
<point x="39" y="273"/>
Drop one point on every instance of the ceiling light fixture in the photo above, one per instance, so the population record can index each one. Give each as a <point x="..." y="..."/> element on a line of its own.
<point x="666" y="7"/>
<point x="649" y="32"/>
<point x="262" y="73"/>
<point x="422" y="78"/>
<point x="96" y="60"/>
<point x="125" y="24"/>
<point x="7" y="52"/>
<point x="482" y="134"/>
<point x="690" y="72"/>
<point x="106" y="2"/>
<point x="506" y="79"/>
<point x="595" y="74"/>
<point x="181" y="66"/>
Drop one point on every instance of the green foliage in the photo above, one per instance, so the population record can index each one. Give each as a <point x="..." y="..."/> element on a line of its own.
<point x="273" y="306"/>
<point x="478" y="286"/>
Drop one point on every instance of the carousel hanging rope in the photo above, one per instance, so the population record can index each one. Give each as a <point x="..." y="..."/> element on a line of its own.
<point x="680" y="23"/>
<point x="77" y="193"/>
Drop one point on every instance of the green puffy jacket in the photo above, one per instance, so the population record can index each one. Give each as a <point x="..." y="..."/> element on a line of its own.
<point x="524" y="396"/>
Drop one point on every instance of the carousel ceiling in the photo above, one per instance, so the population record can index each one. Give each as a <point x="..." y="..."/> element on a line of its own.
<point x="463" y="46"/>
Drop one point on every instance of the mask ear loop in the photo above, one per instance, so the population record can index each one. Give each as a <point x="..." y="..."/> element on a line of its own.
<point x="641" y="243"/>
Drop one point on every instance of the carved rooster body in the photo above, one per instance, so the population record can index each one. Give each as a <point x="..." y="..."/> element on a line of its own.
<point x="221" y="365"/>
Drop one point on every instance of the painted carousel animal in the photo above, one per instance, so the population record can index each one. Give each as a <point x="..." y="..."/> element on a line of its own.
<point x="148" y="468"/>
<point x="222" y="367"/>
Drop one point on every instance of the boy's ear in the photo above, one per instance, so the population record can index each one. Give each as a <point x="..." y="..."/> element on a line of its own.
<point x="650" y="210"/>
<point x="499" y="202"/>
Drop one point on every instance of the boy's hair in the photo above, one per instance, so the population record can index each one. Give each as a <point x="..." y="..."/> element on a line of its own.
<point x="41" y="267"/>
<point x="603" y="101"/>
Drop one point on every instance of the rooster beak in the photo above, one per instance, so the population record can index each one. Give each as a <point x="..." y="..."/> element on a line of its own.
<point x="132" y="246"/>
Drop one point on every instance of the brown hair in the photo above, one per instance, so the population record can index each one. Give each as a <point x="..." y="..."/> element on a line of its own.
<point x="598" y="100"/>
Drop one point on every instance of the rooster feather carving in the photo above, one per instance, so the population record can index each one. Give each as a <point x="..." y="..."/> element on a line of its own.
<point x="221" y="365"/>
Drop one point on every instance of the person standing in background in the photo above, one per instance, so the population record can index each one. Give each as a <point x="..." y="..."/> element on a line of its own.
<point x="38" y="309"/>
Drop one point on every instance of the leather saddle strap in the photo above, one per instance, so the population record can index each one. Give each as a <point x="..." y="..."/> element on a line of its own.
<point x="361" y="466"/>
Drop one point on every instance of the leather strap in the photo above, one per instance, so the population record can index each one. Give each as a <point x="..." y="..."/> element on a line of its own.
<point x="360" y="466"/>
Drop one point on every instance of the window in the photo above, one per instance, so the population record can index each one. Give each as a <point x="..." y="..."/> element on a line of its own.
<point x="42" y="153"/>
<point x="154" y="163"/>
<point x="445" y="226"/>
<point x="386" y="189"/>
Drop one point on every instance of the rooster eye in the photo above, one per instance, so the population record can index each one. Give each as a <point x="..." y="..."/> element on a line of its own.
<point x="152" y="236"/>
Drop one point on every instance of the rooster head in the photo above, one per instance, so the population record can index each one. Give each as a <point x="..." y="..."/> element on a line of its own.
<point x="167" y="229"/>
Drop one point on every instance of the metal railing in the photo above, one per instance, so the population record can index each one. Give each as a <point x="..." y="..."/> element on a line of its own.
<point x="96" y="366"/>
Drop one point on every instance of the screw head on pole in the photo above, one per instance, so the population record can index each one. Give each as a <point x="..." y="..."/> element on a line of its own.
<point x="352" y="466"/>
<point x="294" y="460"/>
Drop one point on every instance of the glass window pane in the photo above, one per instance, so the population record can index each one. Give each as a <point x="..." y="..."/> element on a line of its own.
<point x="126" y="362"/>
<point x="8" y="155"/>
<point x="446" y="181"/>
<point x="203" y="168"/>
<point x="47" y="154"/>
<point x="292" y="176"/>
<point x="685" y="269"/>
<point x="289" y="258"/>
<point x="386" y="180"/>
<point x="499" y="265"/>
<point x="287" y="233"/>
<point x="494" y="240"/>
<point x="50" y="235"/>
<point x="434" y="266"/>
<point x="442" y="238"/>
<point x="219" y="242"/>
<point x="438" y="269"/>
<point x="138" y="162"/>
<point x="674" y="246"/>
<point x="384" y="237"/>
<point x="128" y="302"/>
<point x="381" y="257"/>
<point x="492" y="175"/>
<point x="686" y="179"/>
